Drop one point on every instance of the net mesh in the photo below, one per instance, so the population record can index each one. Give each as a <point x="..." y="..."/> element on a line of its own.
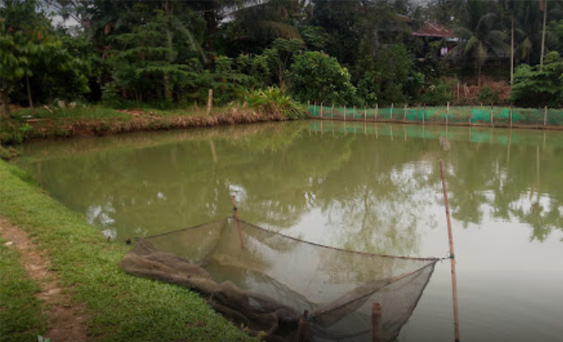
<point x="478" y="115"/>
<point x="265" y="281"/>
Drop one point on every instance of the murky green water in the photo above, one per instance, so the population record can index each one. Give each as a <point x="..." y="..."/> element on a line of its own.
<point x="365" y="187"/>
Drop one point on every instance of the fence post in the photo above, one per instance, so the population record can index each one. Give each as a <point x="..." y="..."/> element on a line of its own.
<point x="376" y="111"/>
<point x="545" y="116"/>
<point x="448" y="110"/>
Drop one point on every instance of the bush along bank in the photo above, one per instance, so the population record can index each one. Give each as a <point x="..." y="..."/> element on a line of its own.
<point x="120" y="307"/>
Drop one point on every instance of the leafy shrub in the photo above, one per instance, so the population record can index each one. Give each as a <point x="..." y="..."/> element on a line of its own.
<point x="8" y="153"/>
<point x="488" y="95"/>
<point x="315" y="76"/>
<point x="535" y="88"/>
<point x="437" y="94"/>
<point x="274" y="100"/>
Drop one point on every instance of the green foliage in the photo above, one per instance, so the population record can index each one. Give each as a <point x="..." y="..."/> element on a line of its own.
<point x="316" y="77"/>
<point x="535" y="88"/>
<point x="8" y="153"/>
<point x="389" y="77"/>
<point x="437" y="94"/>
<point x="316" y="38"/>
<point x="488" y="96"/>
<point x="274" y="100"/>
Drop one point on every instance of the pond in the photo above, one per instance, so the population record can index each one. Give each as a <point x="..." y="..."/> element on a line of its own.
<point x="367" y="187"/>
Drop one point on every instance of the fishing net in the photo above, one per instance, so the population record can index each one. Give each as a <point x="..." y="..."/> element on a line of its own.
<point x="265" y="281"/>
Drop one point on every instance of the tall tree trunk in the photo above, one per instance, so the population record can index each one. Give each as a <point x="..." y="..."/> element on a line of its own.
<point x="5" y="103"/>
<point x="543" y="34"/>
<point x="512" y="50"/>
<point x="29" y="98"/>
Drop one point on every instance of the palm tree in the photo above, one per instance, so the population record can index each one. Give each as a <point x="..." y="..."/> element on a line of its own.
<point x="481" y="41"/>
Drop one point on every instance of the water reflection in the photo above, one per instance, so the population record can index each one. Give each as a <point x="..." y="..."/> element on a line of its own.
<point x="358" y="179"/>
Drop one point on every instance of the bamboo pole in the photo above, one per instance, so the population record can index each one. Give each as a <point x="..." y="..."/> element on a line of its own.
<point x="452" y="255"/>
<point x="391" y="112"/>
<point x="302" y="327"/>
<point x="321" y="110"/>
<point x="405" y="114"/>
<point x="545" y="116"/>
<point x="376" y="323"/>
<point x="344" y="112"/>
<point x="235" y="210"/>
<point x="365" y="113"/>
<point x="448" y="111"/>
<point x="209" y="101"/>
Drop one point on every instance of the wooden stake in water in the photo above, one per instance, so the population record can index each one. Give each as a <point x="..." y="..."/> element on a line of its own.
<point x="391" y="112"/>
<point x="365" y="113"/>
<point x="452" y="255"/>
<point x="321" y="110"/>
<point x="376" y="323"/>
<point x="344" y="112"/>
<point x="545" y="116"/>
<point x="405" y="114"/>
<point x="448" y="111"/>
<point x="235" y="210"/>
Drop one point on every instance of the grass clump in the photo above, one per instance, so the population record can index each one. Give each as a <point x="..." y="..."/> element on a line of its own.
<point x="22" y="315"/>
<point x="121" y="307"/>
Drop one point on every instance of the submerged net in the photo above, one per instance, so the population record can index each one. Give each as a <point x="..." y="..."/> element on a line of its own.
<point x="265" y="281"/>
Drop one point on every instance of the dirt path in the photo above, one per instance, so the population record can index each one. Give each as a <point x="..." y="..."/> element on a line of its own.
<point x="66" y="320"/>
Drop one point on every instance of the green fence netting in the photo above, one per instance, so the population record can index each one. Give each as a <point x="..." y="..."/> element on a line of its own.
<point x="484" y="115"/>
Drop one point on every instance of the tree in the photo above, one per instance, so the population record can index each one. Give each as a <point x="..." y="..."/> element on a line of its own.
<point x="314" y="76"/>
<point x="21" y="40"/>
<point x="481" y="37"/>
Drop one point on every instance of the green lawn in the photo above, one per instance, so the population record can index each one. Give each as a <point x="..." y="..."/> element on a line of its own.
<point x="122" y="307"/>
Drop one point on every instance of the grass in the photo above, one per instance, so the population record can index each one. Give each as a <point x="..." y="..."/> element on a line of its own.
<point x="22" y="315"/>
<point x="121" y="307"/>
<point x="100" y="120"/>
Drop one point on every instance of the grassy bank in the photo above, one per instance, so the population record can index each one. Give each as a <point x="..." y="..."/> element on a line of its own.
<point x="21" y="313"/>
<point x="100" y="120"/>
<point x="121" y="307"/>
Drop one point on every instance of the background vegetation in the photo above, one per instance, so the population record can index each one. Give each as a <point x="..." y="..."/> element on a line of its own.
<point x="168" y="53"/>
